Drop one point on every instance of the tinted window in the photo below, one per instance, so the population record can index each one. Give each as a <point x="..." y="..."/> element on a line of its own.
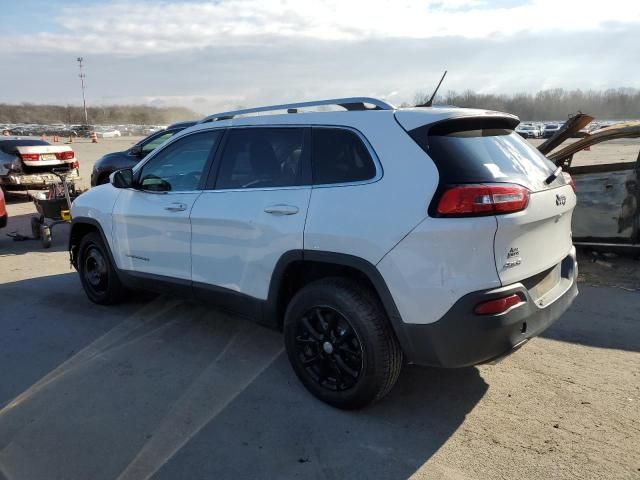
<point x="478" y="154"/>
<point x="179" y="166"/>
<point x="262" y="157"/>
<point x="339" y="156"/>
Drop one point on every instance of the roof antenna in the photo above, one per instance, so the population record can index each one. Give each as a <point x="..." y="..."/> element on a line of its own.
<point x="430" y="101"/>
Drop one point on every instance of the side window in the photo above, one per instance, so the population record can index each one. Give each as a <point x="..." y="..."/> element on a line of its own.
<point x="156" y="142"/>
<point x="339" y="156"/>
<point x="179" y="166"/>
<point x="262" y="157"/>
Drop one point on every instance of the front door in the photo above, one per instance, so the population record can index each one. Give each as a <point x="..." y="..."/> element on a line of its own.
<point x="151" y="226"/>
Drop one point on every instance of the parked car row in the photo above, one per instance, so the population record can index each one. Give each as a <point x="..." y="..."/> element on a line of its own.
<point x="549" y="129"/>
<point x="63" y="130"/>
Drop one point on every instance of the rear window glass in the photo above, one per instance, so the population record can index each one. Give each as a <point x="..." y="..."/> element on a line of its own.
<point x="9" y="146"/>
<point x="479" y="155"/>
<point x="339" y="156"/>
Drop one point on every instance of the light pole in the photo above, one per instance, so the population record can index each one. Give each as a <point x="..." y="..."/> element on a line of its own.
<point x="84" y="100"/>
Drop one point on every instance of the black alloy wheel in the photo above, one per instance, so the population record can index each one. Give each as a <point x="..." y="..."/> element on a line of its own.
<point x="329" y="349"/>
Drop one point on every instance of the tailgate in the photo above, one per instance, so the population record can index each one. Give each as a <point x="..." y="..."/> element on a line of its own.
<point x="537" y="238"/>
<point x="484" y="152"/>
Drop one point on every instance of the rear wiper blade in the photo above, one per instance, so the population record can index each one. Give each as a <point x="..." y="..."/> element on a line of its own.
<point x="553" y="176"/>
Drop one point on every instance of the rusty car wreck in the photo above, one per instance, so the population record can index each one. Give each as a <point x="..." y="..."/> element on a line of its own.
<point x="607" y="215"/>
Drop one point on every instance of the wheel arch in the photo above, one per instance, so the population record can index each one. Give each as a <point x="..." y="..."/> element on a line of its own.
<point x="298" y="268"/>
<point x="81" y="226"/>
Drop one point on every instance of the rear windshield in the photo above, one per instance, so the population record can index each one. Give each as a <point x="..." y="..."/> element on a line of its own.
<point x="9" y="146"/>
<point x="474" y="154"/>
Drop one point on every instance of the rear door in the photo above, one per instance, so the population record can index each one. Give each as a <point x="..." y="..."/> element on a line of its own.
<point x="253" y="211"/>
<point x="151" y="227"/>
<point x="487" y="151"/>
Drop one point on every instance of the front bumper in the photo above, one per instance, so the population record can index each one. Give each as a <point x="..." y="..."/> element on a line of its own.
<point x="461" y="338"/>
<point x="25" y="181"/>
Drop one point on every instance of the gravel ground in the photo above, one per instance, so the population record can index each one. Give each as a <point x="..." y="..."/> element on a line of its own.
<point x="164" y="388"/>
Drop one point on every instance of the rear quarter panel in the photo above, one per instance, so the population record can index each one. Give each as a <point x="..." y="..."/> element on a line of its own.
<point x="440" y="261"/>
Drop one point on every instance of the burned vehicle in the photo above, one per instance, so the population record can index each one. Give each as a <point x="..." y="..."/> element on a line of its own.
<point x="607" y="216"/>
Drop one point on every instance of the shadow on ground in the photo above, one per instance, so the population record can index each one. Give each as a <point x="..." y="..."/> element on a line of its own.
<point x="21" y="225"/>
<point x="603" y="317"/>
<point x="168" y="389"/>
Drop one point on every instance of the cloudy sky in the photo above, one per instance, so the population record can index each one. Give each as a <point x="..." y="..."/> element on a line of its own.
<point x="214" y="55"/>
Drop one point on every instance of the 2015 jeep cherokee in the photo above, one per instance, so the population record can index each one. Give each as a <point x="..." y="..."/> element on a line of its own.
<point x="372" y="236"/>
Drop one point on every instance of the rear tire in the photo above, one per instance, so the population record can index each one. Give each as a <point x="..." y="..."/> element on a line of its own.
<point x="340" y="343"/>
<point x="97" y="274"/>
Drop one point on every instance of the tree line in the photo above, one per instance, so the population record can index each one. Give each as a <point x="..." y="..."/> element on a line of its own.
<point x="554" y="104"/>
<point x="106" y="114"/>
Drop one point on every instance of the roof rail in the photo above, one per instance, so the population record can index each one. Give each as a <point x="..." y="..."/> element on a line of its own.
<point x="352" y="103"/>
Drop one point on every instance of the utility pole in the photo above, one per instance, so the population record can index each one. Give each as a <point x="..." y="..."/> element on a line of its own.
<point x="84" y="100"/>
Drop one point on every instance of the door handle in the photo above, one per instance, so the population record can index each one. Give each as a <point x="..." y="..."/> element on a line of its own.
<point x="281" y="209"/>
<point x="176" y="207"/>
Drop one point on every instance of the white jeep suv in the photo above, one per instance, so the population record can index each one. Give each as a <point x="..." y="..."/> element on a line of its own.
<point x="370" y="236"/>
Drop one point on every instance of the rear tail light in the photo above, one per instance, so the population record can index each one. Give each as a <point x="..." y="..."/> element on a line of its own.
<point x="30" y="157"/>
<point x="497" y="305"/>
<point x="569" y="180"/>
<point x="75" y="164"/>
<point x="64" y="155"/>
<point x="470" y="200"/>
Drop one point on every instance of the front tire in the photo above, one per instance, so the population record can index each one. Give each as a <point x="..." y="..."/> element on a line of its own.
<point x="97" y="274"/>
<point x="340" y="343"/>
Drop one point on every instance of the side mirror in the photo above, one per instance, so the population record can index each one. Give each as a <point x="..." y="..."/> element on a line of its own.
<point x="122" y="178"/>
<point x="136" y="150"/>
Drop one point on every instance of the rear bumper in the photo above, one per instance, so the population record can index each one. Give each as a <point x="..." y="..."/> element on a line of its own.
<point x="23" y="181"/>
<point x="461" y="338"/>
